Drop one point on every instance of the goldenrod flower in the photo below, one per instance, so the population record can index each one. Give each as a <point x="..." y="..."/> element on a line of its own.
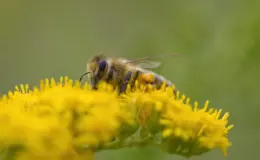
<point x="180" y="127"/>
<point x="63" y="120"/>
<point x="58" y="118"/>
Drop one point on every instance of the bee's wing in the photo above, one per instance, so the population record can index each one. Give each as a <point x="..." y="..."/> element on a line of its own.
<point x="145" y="63"/>
<point x="149" y="64"/>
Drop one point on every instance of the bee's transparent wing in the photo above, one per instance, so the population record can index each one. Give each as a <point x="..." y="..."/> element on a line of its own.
<point x="149" y="64"/>
<point x="145" y="63"/>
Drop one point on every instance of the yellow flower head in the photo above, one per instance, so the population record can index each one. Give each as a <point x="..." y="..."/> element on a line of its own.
<point x="57" y="118"/>
<point x="64" y="120"/>
<point x="182" y="128"/>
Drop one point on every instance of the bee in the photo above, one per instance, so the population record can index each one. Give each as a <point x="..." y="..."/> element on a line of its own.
<point x="119" y="72"/>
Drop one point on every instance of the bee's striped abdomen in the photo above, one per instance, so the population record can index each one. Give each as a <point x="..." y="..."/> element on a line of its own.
<point x="159" y="81"/>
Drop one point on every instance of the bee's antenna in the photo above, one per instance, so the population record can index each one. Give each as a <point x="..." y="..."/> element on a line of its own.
<point x="81" y="77"/>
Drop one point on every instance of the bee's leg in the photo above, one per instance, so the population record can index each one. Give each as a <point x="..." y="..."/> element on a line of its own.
<point x="110" y="75"/>
<point x="94" y="83"/>
<point x="124" y="84"/>
<point x="134" y="77"/>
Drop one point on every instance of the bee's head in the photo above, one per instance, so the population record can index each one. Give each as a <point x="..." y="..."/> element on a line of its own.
<point x="97" y="67"/>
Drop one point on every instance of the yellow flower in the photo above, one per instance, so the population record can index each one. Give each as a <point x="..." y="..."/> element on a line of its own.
<point x="184" y="129"/>
<point x="64" y="120"/>
<point x="58" y="118"/>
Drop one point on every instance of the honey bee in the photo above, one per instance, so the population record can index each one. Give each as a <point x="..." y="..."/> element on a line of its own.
<point x="119" y="72"/>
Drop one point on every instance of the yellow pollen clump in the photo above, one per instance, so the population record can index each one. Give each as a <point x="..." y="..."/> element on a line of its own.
<point x="147" y="77"/>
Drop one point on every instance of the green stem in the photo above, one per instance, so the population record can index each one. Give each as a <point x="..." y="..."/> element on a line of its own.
<point x="130" y="143"/>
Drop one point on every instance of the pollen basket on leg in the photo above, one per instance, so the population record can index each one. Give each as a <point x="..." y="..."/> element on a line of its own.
<point x="148" y="77"/>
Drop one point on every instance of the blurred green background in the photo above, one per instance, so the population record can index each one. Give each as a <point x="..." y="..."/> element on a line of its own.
<point x="218" y="41"/>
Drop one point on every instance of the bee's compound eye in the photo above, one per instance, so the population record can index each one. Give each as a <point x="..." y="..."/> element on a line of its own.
<point x="102" y="65"/>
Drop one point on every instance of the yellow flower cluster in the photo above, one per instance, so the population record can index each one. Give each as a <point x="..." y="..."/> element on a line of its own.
<point x="64" y="120"/>
<point x="56" y="119"/>
<point x="184" y="129"/>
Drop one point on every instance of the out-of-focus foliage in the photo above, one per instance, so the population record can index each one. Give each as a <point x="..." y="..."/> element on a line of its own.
<point x="218" y="41"/>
